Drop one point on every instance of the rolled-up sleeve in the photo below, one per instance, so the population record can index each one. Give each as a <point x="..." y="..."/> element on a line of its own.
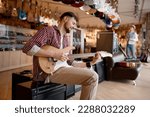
<point x="38" y="40"/>
<point x="33" y="50"/>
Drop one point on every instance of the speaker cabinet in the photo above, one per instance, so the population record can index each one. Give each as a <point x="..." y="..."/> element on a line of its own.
<point x="50" y="91"/>
<point x="22" y="90"/>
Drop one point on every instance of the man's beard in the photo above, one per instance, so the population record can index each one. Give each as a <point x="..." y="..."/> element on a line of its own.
<point x="67" y="29"/>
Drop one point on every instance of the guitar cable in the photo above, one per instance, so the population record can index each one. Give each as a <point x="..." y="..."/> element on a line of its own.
<point x="37" y="84"/>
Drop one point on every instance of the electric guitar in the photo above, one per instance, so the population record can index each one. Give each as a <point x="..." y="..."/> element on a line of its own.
<point x="50" y="65"/>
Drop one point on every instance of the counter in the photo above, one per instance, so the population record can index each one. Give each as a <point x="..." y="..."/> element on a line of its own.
<point x="14" y="59"/>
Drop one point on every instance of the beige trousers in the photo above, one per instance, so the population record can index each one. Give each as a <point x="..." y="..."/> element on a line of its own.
<point x="79" y="76"/>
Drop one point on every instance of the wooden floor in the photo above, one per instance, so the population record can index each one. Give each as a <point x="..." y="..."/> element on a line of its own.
<point x="107" y="90"/>
<point x="125" y="90"/>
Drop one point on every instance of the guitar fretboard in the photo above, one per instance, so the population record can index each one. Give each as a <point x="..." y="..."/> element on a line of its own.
<point x="85" y="55"/>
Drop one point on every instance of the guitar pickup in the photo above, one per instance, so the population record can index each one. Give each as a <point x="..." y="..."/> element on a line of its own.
<point x="52" y="59"/>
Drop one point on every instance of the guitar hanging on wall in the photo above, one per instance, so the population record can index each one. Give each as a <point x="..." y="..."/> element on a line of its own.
<point x="22" y="14"/>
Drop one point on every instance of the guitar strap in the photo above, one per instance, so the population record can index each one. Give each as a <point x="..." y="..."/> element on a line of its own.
<point x="37" y="85"/>
<point x="47" y="80"/>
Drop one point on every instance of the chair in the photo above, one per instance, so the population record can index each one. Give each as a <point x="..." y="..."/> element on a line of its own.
<point x="116" y="68"/>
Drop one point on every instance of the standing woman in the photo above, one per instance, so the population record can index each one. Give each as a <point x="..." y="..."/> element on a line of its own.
<point x="132" y="38"/>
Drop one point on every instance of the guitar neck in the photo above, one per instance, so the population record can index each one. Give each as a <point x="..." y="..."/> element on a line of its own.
<point x="85" y="55"/>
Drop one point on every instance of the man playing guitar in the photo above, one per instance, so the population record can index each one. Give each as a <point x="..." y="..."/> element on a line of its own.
<point x="76" y="73"/>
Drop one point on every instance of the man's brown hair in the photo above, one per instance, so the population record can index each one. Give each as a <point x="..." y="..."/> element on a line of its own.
<point x="69" y="14"/>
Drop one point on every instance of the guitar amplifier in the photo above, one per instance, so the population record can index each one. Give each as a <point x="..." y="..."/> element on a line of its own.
<point x="20" y="77"/>
<point x="21" y="88"/>
<point x="51" y="91"/>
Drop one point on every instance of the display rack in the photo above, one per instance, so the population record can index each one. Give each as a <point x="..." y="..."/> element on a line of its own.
<point x="14" y="38"/>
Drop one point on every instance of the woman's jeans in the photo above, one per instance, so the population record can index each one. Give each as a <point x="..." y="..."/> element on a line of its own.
<point x="131" y="51"/>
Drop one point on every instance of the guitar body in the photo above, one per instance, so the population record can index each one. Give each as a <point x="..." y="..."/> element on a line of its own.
<point x="45" y="63"/>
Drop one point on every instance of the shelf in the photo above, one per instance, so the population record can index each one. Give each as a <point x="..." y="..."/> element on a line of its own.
<point x="12" y="37"/>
